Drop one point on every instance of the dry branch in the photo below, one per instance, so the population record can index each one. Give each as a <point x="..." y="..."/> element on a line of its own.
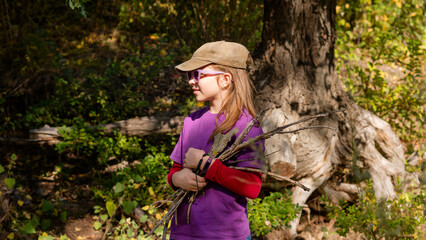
<point x="276" y="176"/>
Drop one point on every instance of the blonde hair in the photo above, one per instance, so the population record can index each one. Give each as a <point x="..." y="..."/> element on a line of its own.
<point x="240" y="96"/>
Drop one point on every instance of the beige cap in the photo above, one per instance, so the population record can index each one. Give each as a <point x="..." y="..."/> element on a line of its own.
<point x="229" y="54"/>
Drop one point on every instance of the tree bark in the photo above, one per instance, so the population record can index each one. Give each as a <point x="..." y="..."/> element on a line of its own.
<point x="131" y="127"/>
<point x="295" y="76"/>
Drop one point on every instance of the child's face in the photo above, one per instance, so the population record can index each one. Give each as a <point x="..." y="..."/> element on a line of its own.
<point x="210" y="87"/>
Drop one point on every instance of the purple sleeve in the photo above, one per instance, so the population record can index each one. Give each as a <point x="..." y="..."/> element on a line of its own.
<point x="176" y="155"/>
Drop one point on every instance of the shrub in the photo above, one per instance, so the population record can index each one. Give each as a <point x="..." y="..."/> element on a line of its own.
<point x="377" y="35"/>
<point x="83" y="140"/>
<point x="271" y="212"/>
<point x="139" y="185"/>
<point x="398" y="218"/>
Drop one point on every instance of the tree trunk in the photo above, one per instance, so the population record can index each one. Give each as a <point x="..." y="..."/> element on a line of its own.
<point x="131" y="127"/>
<point x="295" y="76"/>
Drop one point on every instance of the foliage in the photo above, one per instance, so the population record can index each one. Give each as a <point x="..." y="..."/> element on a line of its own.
<point x="78" y="5"/>
<point x="139" y="185"/>
<point x="195" y="22"/>
<point x="123" y="72"/>
<point x="398" y="218"/>
<point x="124" y="89"/>
<point x="128" y="229"/>
<point x="92" y="143"/>
<point x="31" y="218"/>
<point x="9" y="180"/>
<point x="379" y="54"/>
<point x="271" y="212"/>
<point x="139" y="181"/>
<point x="59" y="68"/>
<point x="28" y="215"/>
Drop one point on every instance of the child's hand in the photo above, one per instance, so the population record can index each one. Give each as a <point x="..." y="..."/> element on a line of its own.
<point x="186" y="179"/>
<point x="192" y="158"/>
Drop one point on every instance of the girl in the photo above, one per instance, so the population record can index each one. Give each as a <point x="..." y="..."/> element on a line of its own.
<point x="216" y="73"/>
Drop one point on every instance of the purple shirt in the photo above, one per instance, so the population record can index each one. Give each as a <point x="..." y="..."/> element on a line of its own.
<point x="218" y="213"/>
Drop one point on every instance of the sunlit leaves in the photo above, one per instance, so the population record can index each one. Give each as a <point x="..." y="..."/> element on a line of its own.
<point x="11" y="236"/>
<point x="376" y="219"/>
<point x="110" y="207"/>
<point x="119" y="187"/>
<point x="10" y="182"/>
<point x="77" y="4"/>
<point x="103" y="217"/>
<point x="144" y="218"/>
<point x="271" y="212"/>
<point x="90" y="142"/>
<point x="379" y="56"/>
<point x="97" y="225"/>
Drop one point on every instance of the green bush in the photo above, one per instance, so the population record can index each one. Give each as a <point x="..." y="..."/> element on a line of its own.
<point x="271" y="212"/>
<point x="138" y="185"/>
<point x="379" y="53"/>
<point x="82" y="140"/>
<point x="398" y="218"/>
<point x="124" y="88"/>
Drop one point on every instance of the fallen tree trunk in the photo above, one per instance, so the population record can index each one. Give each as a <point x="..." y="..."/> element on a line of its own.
<point x="146" y="126"/>
<point x="131" y="127"/>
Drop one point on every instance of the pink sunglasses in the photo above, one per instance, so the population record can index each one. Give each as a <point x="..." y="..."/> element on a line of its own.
<point x="196" y="74"/>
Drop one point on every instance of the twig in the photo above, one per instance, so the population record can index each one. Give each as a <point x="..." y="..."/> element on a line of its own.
<point x="269" y="154"/>
<point x="261" y="113"/>
<point x="228" y="155"/>
<point x="244" y="132"/>
<point x="170" y="198"/>
<point x="274" y="175"/>
<point x="309" y="127"/>
<point x="169" y="213"/>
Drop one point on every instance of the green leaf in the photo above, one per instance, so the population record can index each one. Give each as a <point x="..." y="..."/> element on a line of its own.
<point x="128" y="206"/>
<point x="138" y="178"/>
<point x="47" y="206"/>
<point x="97" y="225"/>
<point x="1" y="169"/>
<point x="324" y="229"/>
<point x="13" y="157"/>
<point x="159" y="230"/>
<point x="97" y="209"/>
<point x="130" y="232"/>
<point x="143" y="219"/>
<point x="104" y="217"/>
<point x="119" y="187"/>
<point x="110" y="206"/>
<point x="29" y="228"/>
<point x="10" y="182"/>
